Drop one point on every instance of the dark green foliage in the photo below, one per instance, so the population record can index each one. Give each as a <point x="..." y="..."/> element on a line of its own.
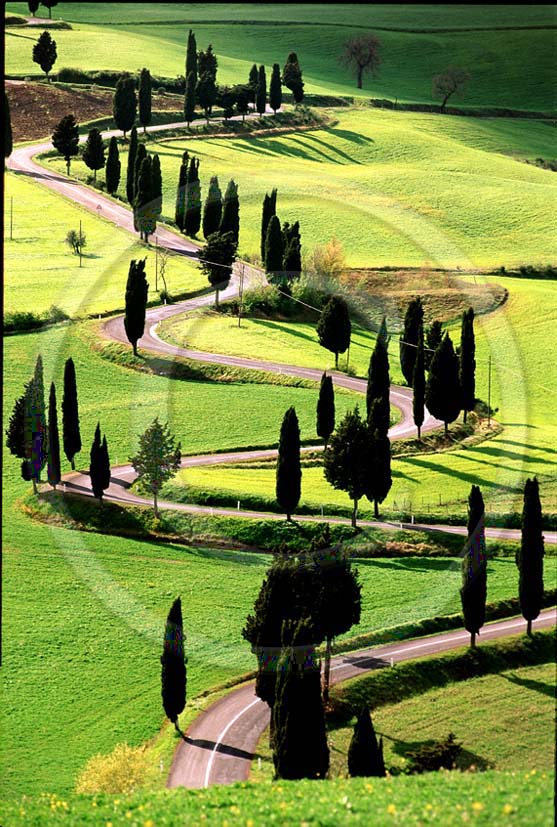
<point x="292" y="259"/>
<point x="145" y="98"/>
<point x="173" y="662"/>
<point x="467" y="367"/>
<point x="53" y="456"/>
<point x="226" y="97"/>
<point x="144" y="204"/>
<point x="242" y="95"/>
<point x="442" y="394"/>
<point x="44" y="52"/>
<point x="274" y="250"/>
<point x="8" y="139"/>
<point x="192" y="216"/>
<point x="15" y="432"/>
<point x="65" y="139"/>
<point x="300" y="738"/>
<point x="413" y="320"/>
<point x="35" y="424"/>
<point x="136" y="302"/>
<point x="99" y="466"/>
<point x="113" y="167"/>
<point x="418" y="385"/>
<point x="104" y="464"/>
<point x="292" y="77"/>
<point x="140" y="155"/>
<point x="156" y="187"/>
<point x="473" y="593"/>
<point x="230" y="219"/>
<point x="378" y="388"/>
<point x="212" y="211"/>
<point x="326" y="409"/>
<point x="93" y="151"/>
<point x="383" y="334"/>
<point x="70" y="414"/>
<point x="206" y="93"/>
<point x="261" y="91"/>
<point x="124" y="104"/>
<point x="217" y="258"/>
<point x="275" y="89"/>
<point x="269" y="209"/>
<point x="365" y="754"/>
<point x="434" y="756"/>
<point x="49" y="4"/>
<point x="191" y="55"/>
<point x="33" y="5"/>
<point x="289" y="471"/>
<point x="157" y="459"/>
<point x="207" y="63"/>
<point x="333" y="328"/>
<point x="253" y="83"/>
<point x="529" y="558"/>
<point x="180" y="212"/>
<point x="132" y="155"/>
<point x="433" y="340"/>
<point x="346" y="460"/>
<point x="379" y="479"/>
<point x="190" y="98"/>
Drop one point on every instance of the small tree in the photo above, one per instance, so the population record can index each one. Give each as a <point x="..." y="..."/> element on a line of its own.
<point x="70" y="414"/>
<point x="137" y="290"/>
<point x="180" y="210"/>
<point x="99" y="468"/>
<point x="269" y="209"/>
<point x="190" y="97"/>
<point x="274" y="250"/>
<point x="326" y="409"/>
<point x="289" y="470"/>
<point x="65" y="139"/>
<point x="132" y="157"/>
<point x="217" y="258"/>
<point x="474" y="567"/>
<point x="8" y="139"/>
<point x="362" y="54"/>
<point x="253" y="83"/>
<point x="44" y="53"/>
<point x="467" y="362"/>
<point x="345" y="462"/>
<point x="529" y="557"/>
<point x="76" y="241"/>
<point x="206" y="93"/>
<point x="49" y="4"/>
<point x="192" y="215"/>
<point x="261" y="91"/>
<point x="158" y="458"/>
<point x="418" y="385"/>
<point x="292" y="77"/>
<point x="93" y="152"/>
<point x="432" y="341"/>
<point x="212" y="211"/>
<point x="113" y="167"/>
<point x="365" y="754"/>
<point x="442" y="394"/>
<point x="124" y="103"/>
<point x="207" y="63"/>
<point x="413" y="321"/>
<point x="33" y="5"/>
<point x="145" y="98"/>
<point x="275" y="89"/>
<point x="227" y="98"/>
<point x="333" y="328"/>
<point x="242" y="98"/>
<point x="173" y="662"/>
<point x="230" y="219"/>
<point x="53" y="456"/>
<point x="449" y="82"/>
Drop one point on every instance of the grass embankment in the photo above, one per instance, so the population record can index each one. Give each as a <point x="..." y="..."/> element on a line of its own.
<point x="41" y="270"/>
<point x="409" y="57"/>
<point x="427" y="188"/>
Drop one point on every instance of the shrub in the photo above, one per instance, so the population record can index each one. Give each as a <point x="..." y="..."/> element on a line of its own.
<point x="261" y="300"/>
<point x="120" y="772"/>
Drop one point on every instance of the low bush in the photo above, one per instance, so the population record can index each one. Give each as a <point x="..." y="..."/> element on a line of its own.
<point x="120" y="772"/>
<point x="17" y="321"/>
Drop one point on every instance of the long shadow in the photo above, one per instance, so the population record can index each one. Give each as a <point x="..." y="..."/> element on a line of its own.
<point x="24" y="36"/>
<point x="243" y="558"/>
<point x="344" y="155"/>
<point x="415" y="564"/>
<point x="473" y="479"/>
<point x="223" y="749"/>
<point x="527" y="446"/>
<point x="496" y="452"/>
<point x="44" y="176"/>
<point x="365" y="662"/>
<point x="348" y="135"/>
<point x="284" y="329"/>
<point x="464" y="761"/>
<point x="536" y="686"/>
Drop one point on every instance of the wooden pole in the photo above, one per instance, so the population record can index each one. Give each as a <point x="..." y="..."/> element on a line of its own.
<point x="80" y="242"/>
<point x="489" y="392"/>
<point x="241" y="295"/>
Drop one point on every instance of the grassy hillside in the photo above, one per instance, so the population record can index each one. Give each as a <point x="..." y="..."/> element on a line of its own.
<point x="500" y="75"/>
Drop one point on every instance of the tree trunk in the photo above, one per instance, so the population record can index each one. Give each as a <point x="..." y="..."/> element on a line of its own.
<point x="529" y="628"/>
<point x="289" y="518"/>
<point x="35" y="490"/>
<point x="445" y="99"/>
<point x="419" y="432"/>
<point x="354" y="513"/>
<point x="217" y="298"/>
<point x="68" y="166"/>
<point x="360" y="73"/>
<point x="134" y="345"/>
<point x="473" y="640"/>
<point x="446" y="429"/>
<point x="336" y="359"/>
<point x="376" y="509"/>
<point x="73" y="464"/>
<point x="327" y="670"/>
<point x="155" y="504"/>
<point x="464" y="417"/>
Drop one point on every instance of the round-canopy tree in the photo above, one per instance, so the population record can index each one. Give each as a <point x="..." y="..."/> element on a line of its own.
<point x="292" y="77"/>
<point x="93" y="151"/>
<point x="217" y="258"/>
<point x="333" y="328"/>
<point x="65" y="139"/>
<point x="362" y="54"/>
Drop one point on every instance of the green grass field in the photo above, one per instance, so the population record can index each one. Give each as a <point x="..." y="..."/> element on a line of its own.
<point x="41" y="270"/>
<point x="500" y="75"/>
<point x="397" y="189"/>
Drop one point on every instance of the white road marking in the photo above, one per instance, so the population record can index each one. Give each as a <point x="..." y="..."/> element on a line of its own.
<point x="221" y="736"/>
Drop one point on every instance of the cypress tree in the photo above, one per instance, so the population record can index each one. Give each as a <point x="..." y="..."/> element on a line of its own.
<point x="8" y="139"/>
<point x="70" y="414"/>
<point x="65" y="139"/>
<point x="217" y="258"/>
<point x="292" y="77"/>
<point x="96" y="466"/>
<point x="35" y="424"/>
<point x="192" y="217"/>
<point x="181" y="192"/>
<point x="434" y="336"/>
<point x="261" y="91"/>
<point x="346" y="460"/>
<point x="212" y="211"/>
<point x="113" y="167"/>
<point x="173" y="663"/>
<point x="383" y="334"/>
<point x="53" y="458"/>
<point x="529" y="558"/>
<point x="49" y="4"/>
<point x="132" y="155"/>
<point x="333" y="328"/>
<point x="157" y="187"/>
<point x="378" y="388"/>
<point x="467" y="367"/>
<point x="442" y="393"/>
<point x="124" y="104"/>
<point x="289" y="470"/>
<point x="274" y="250"/>
<point x="15" y="432"/>
<point x="230" y="219"/>
<point x="93" y="152"/>
<point x="206" y="93"/>
<point x="190" y="97"/>
<point x="144" y="200"/>
<point x="292" y="259"/>
<point x="269" y="209"/>
<point x="365" y="755"/>
<point x="207" y="63"/>
<point x="145" y="98"/>
<point x="326" y="409"/>
<point x="33" y="6"/>
<point x="412" y="322"/>
<point x="474" y="567"/>
<point x="44" y="53"/>
<point x="104" y="462"/>
<point x="418" y="384"/>
<point x="136" y="302"/>
<point x="140" y="155"/>
<point x="191" y="55"/>
<point x="379" y="479"/>
<point x="275" y="89"/>
<point x="253" y="82"/>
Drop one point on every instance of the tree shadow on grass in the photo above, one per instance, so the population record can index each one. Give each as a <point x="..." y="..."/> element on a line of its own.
<point x="502" y="452"/>
<point x="536" y="686"/>
<point x="283" y="328"/>
<point x="413" y="564"/>
<point x="465" y="760"/>
<point x="473" y="479"/>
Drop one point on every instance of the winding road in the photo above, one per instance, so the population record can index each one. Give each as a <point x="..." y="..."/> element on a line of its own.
<point x="220" y="744"/>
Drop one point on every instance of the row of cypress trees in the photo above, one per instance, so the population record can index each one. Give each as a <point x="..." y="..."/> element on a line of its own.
<point x="143" y="186"/>
<point x="125" y="101"/>
<point x="221" y="214"/>
<point x="281" y="247"/>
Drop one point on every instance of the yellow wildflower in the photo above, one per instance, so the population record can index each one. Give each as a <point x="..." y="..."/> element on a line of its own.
<point x="477" y="806"/>
<point x="391" y="809"/>
<point x="507" y="809"/>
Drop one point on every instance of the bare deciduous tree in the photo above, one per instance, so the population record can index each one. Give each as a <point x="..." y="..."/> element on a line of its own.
<point x="449" y="82"/>
<point x="361" y="54"/>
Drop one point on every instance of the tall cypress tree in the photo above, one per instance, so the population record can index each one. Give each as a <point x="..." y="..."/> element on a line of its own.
<point x="65" y="139"/>
<point x="346" y="461"/>
<point x="206" y="93"/>
<point x="53" y="458"/>
<point x="96" y="465"/>
<point x="529" y="558"/>
<point x="274" y="250"/>
<point x="212" y="211"/>
<point x="140" y="155"/>
<point x="378" y="388"/>
<point x="275" y="89"/>
<point x="132" y="154"/>
<point x="192" y="217"/>
<point x="104" y="464"/>
<point x="269" y="209"/>
<point x="180" y="211"/>
<point x="383" y="333"/>
<point x="253" y="82"/>
<point x="35" y="425"/>
<point x="378" y="453"/>
<point x="292" y="259"/>
<point x="157" y="187"/>
<point x="433" y="340"/>
<point x="93" y="152"/>
<point x="15" y="431"/>
<point x="145" y="98"/>
<point x="113" y="167"/>
<point x="207" y="63"/>
<point x="334" y="328"/>
<point x="8" y="139"/>
<point x="136" y="302"/>
<point x="230" y="219"/>
<point x="473" y="593"/>
<point x="442" y="394"/>
<point x="326" y="409"/>
<point x="124" y="104"/>
<point x="191" y="55"/>
<point x="289" y="470"/>
<point x="365" y="754"/>
<point x="418" y="385"/>
<point x="70" y="414"/>
<point x="467" y="367"/>
<point x="173" y="663"/>
<point x="292" y="77"/>
<point x="261" y="91"/>
<point x="144" y="199"/>
<point x="412" y="321"/>
<point x="190" y="97"/>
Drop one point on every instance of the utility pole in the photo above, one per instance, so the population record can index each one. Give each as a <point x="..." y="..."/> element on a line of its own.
<point x="156" y="266"/>
<point x="241" y="294"/>
<point x="489" y="392"/>
<point x="80" y="242"/>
